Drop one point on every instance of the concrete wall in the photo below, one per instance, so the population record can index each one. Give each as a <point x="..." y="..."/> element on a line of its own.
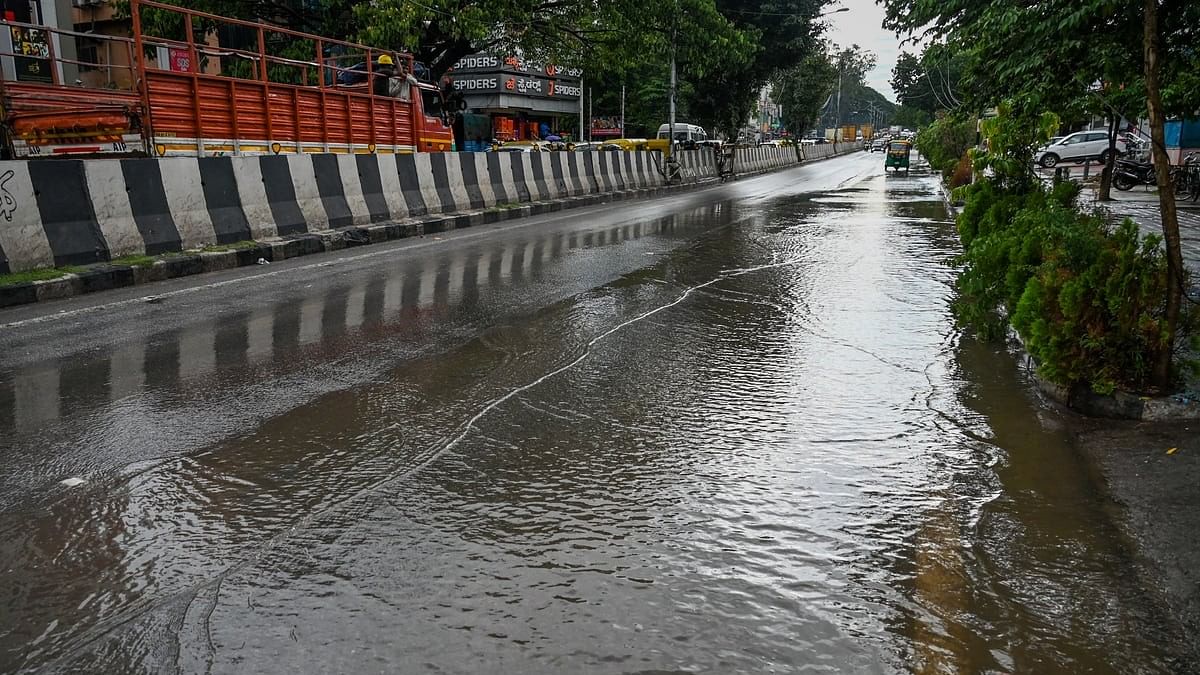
<point x="55" y="213"/>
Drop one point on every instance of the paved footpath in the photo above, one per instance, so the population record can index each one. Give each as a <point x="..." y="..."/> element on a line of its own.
<point x="1152" y="469"/>
<point x="1142" y="207"/>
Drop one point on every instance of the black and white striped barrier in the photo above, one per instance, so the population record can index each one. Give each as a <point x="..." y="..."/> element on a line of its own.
<point x="55" y="213"/>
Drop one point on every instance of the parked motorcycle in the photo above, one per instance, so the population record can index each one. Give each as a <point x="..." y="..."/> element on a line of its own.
<point x="1129" y="173"/>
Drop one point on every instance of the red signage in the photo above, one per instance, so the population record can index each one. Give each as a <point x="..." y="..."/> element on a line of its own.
<point x="179" y="60"/>
<point x="606" y="126"/>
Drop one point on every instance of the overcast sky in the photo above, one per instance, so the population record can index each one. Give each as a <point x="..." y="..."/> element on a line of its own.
<point x="862" y="25"/>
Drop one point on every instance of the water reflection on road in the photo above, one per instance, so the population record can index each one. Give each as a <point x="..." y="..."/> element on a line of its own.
<point x="767" y="450"/>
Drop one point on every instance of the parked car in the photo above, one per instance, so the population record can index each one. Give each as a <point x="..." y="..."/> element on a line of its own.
<point x="1080" y="146"/>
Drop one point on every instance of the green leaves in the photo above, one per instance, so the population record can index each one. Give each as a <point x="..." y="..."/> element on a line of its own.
<point x="802" y="91"/>
<point x="945" y="141"/>
<point x="1087" y="298"/>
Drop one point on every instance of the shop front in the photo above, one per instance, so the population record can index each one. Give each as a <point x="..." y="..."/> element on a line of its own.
<point x="521" y="101"/>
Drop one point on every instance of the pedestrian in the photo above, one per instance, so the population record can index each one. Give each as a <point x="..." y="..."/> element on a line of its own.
<point x="385" y="68"/>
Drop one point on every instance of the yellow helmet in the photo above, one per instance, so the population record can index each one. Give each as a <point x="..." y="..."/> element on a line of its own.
<point x="385" y="60"/>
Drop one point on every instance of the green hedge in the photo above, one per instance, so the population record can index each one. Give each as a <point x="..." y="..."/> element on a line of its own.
<point x="944" y="142"/>
<point x="1087" y="297"/>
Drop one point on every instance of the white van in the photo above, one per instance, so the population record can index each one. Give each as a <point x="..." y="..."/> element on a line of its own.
<point x="684" y="132"/>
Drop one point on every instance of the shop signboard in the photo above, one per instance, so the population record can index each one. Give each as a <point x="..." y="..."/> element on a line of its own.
<point x="520" y="85"/>
<point x="489" y="63"/>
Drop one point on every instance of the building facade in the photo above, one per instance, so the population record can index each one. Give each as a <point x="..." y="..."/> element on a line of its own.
<point x="523" y="100"/>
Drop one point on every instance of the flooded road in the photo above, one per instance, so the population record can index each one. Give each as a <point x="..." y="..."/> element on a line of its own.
<point x="730" y="432"/>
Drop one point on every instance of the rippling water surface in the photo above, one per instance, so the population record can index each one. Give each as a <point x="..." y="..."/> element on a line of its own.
<point x="767" y="450"/>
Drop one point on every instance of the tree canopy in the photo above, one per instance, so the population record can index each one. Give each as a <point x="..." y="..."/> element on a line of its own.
<point x="726" y="50"/>
<point x="804" y="90"/>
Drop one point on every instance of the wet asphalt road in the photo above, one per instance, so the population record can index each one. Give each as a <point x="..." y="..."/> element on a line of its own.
<point x="728" y="431"/>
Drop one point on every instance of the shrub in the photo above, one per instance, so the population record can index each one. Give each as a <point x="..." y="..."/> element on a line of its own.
<point x="945" y="141"/>
<point x="962" y="172"/>
<point x="1088" y="298"/>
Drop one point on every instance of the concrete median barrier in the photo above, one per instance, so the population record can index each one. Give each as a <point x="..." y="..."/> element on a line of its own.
<point x="56" y="213"/>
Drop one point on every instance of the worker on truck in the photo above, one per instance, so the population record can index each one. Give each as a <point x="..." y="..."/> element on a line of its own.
<point x="385" y="69"/>
<point x="401" y="86"/>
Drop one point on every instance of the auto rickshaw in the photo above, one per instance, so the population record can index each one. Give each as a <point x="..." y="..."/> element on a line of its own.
<point x="897" y="156"/>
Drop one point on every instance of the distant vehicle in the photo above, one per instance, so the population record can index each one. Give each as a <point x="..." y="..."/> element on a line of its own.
<point x="808" y="141"/>
<point x="684" y="132"/>
<point x="880" y="143"/>
<point x="897" y="156"/>
<point x="621" y="144"/>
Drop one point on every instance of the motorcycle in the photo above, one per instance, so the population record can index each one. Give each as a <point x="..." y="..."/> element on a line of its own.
<point x="1129" y="173"/>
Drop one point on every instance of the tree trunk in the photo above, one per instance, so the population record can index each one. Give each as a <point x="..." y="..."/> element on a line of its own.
<point x="1109" y="164"/>
<point x="1166" y="195"/>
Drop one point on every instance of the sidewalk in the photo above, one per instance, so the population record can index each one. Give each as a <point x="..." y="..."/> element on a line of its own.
<point x="1151" y="470"/>
<point x="1142" y="206"/>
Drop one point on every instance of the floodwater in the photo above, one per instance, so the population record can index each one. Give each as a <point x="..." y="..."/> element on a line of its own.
<point x="762" y="448"/>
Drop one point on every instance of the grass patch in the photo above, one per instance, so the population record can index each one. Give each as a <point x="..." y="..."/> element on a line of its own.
<point x="45" y="274"/>
<point x="235" y="246"/>
<point x="134" y="260"/>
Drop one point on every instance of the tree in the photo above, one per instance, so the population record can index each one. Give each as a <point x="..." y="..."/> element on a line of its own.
<point x="851" y="66"/>
<point x="803" y="91"/>
<point x="781" y="32"/>
<point x="440" y="32"/>
<point x="1018" y="49"/>
<point x="928" y="82"/>
<point x="910" y="117"/>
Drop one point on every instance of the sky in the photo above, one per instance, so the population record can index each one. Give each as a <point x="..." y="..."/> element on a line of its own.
<point x="862" y="26"/>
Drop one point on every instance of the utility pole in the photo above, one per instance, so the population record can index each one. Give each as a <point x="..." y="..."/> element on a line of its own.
<point x="591" y="100"/>
<point x="622" y="111"/>
<point x="671" y="114"/>
<point x="837" y="122"/>
<point x="581" y="139"/>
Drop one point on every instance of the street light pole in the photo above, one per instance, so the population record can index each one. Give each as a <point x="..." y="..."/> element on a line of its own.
<point x="622" y="110"/>
<point x="671" y="164"/>
<point x="837" y="120"/>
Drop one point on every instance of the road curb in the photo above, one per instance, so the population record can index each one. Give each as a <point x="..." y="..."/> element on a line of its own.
<point x="108" y="276"/>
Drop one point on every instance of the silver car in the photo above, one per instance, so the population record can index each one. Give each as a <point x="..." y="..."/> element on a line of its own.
<point x="1080" y="146"/>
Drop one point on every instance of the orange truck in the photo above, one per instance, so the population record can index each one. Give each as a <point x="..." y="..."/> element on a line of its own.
<point x="211" y="91"/>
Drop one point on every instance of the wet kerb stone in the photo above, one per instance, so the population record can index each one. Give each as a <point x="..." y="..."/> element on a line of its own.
<point x="18" y="294"/>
